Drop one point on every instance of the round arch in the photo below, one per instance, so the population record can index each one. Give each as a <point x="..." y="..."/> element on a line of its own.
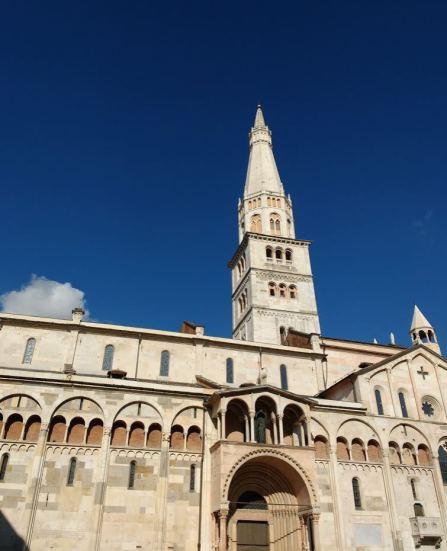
<point x="135" y="402"/>
<point x="273" y="454"/>
<point x="64" y="401"/>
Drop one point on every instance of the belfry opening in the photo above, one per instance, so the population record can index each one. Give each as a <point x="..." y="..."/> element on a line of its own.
<point x="269" y="509"/>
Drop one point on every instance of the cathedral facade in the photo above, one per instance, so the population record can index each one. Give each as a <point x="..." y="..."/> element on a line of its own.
<point x="116" y="438"/>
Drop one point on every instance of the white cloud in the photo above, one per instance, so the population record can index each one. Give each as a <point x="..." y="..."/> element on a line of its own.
<point x="44" y="297"/>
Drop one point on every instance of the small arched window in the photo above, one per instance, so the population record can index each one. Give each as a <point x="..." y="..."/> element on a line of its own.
<point x="431" y="336"/>
<point x="282" y="290"/>
<point x="288" y="255"/>
<point x="423" y="336"/>
<point x="278" y="254"/>
<point x="192" y="478"/>
<point x="230" y="371"/>
<point x="71" y="471"/>
<point x="4" y="466"/>
<point x="29" y="351"/>
<point x="283" y="373"/>
<point x="164" y="363"/>
<point x="107" y="362"/>
<point x="356" y="493"/>
<point x="272" y="289"/>
<point x="132" y="471"/>
<point x="268" y="253"/>
<point x="255" y="224"/>
<point x="269" y="201"/>
<point x="292" y="291"/>
<point x="443" y="462"/>
<point x="275" y="224"/>
<point x="413" y="488"/>
<point x="403" y="405"/>
<point x="379" y="402"/>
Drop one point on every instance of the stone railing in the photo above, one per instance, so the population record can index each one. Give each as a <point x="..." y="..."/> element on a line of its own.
<point x="426" y="530"/>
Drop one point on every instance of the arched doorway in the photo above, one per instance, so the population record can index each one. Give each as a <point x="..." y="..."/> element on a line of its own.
<point x="269" y="508"/>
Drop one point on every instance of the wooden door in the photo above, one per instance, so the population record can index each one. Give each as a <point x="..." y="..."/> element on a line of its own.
<point x="252" y="536"/>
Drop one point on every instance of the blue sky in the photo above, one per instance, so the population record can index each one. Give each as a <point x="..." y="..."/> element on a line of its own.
<point x="123" y="151"/>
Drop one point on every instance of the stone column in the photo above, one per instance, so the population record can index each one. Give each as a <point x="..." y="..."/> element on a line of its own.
<point x="281" y="429"/>
<point x="247" y="429"/>
<point x="163" y="491"/>
<point x="252" y="426"/>
<point x="223" y="412"/>
<point x="304" y="536"/>
<point x="101" y="484"/>
<point x="275" y="431"/>
<point x="338" y="523"/>
<point x="316" y="531"/>
<point x="389" y="490"/>
<point x="32" y="496"/>
<point x="223" y="515"/>
<point x="219" y="428"/>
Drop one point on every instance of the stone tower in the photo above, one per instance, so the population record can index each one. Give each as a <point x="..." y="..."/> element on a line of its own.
<point x="422" y="331"/>
<point x="272" y="282"/>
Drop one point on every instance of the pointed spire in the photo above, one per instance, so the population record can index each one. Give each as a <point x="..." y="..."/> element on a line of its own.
<point x="259" y="118"/>
<point x="419" y="320"/>
<point x="262" y="173"/>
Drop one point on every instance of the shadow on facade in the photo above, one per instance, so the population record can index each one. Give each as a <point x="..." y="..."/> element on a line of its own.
<point x="10" y="540"/>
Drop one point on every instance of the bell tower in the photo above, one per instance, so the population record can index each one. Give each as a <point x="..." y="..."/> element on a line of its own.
<point x="272" y="281"/>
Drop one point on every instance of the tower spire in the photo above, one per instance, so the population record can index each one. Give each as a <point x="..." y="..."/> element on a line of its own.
<point x="262" y="173"/>
<point x="422" y="331"/>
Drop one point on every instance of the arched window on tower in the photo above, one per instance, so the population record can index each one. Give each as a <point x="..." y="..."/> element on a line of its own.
<point x="29" y="351"/>
<point x="292" y="291"/>
<point x="356" y="493"/>
<point x="278" y="254"/>
<point x="255" y="224"/>
<point x="272" y="289"/>
<point x="403" y="405"/>
<point x="164" y="363"/>
<point x="423" y="336"/>
<point x="230" y="371"/>
<point x="289" y="227"/>
<point x="379" y="402"/>
<point x="107" y="361"/>
<point x="283" y="373"/>
<point x="269" y="253"/>
<point x="288" y="255"/>
<point x="282" y="290"/>
<point x="275" y="224"/>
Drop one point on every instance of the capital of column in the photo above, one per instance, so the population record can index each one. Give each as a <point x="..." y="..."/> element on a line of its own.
<point x="107" y="431"/>
<point x="252" y="414"/>
<point x="280" y="416"/>
<point x="222" y="411"/>
<point x="166" y="436"/>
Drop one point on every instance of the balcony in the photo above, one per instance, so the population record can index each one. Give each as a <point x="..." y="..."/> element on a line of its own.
<point x="426" y="530"/>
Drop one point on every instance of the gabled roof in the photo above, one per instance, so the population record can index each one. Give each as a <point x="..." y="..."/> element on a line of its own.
<point x="360" y="372"/>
